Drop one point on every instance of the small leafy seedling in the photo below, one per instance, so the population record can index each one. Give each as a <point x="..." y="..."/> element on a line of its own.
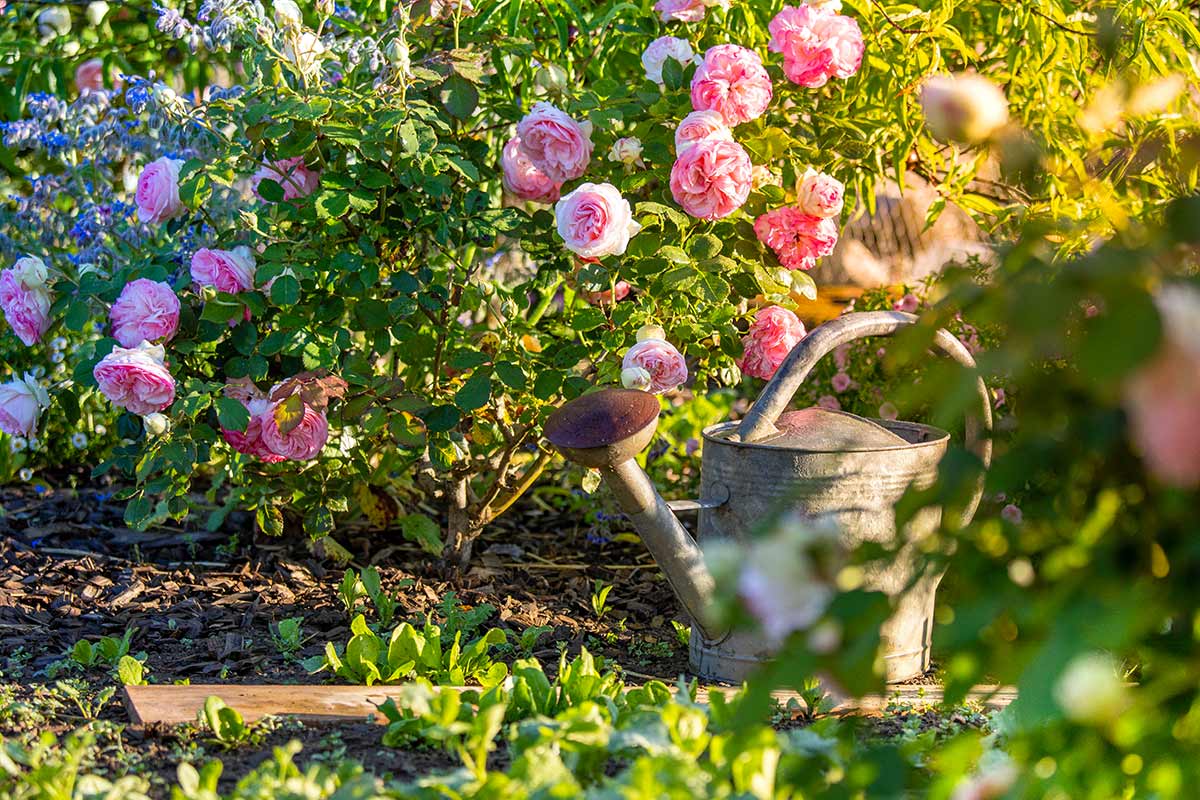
<point x="385" y="606"/>
<point x="226" y="724"/>
<point x="600" y="591"/>
<point x="530" y="637"/>
<point x="107" y="651"/>
<point x="683" y="633"/>
<point x="351" y="591"/>
<point x="131" y="672"/>
<point x="89" y="707"/>
<point x="288" y="636"/>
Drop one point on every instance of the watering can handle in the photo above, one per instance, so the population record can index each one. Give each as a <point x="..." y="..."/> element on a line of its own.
<point x="759" y="421"/>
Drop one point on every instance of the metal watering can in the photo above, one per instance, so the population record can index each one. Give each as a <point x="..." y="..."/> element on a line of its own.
<point x="815" y="461"/>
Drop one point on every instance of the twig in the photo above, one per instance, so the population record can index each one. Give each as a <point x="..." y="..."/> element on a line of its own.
<point x="895" y="24"/>
<point x="1060" y="25"/>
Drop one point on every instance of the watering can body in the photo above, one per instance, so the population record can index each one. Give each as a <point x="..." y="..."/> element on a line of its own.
<point x="814" y="462"/>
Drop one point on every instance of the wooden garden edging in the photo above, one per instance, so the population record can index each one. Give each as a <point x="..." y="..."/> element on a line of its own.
<point x="172" y="705"/>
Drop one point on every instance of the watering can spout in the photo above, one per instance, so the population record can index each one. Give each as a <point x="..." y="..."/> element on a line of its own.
<point x="605" y="430"/>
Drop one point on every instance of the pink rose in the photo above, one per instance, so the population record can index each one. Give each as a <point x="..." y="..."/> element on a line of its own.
<point x="732" y="82"/>
<point x="711" y="179"/>
<point x="817" y="44"/>
<point x="302" y="442"/>
<point x="662" y="48"/>
<point x="661" y="360"/>
<point x="772" y="335"/>
<point x="522" y="178"/>
<point x="595" y="221"/>
<point x="556" y="144"/>
<point x="21" y="402"/>
<point x="25" y="298"/>
<point x="798" y="239"/>
<point x="819" y="194"/>
<point x="888" y="411"/>
<point x="1012" y="513"/>
<point x="680" y="10"/>
<point x="698" y="126"/>
<point x="1163" y="396"/>
<point x="608" y="296"/>
<point x="294" y="176"/>
<point x="136" y="379"/>
<point x="250" y="441"/>
<point x="840" y="382"/>
<point x="229" y="271"/>
<point x="89" y="76"/>
<point x="841" y="356"/>
<point x="145" y="311"/>
<point x="908" y="304"/>
<point x="157" y="194"/>
<point x="830" y="402"/>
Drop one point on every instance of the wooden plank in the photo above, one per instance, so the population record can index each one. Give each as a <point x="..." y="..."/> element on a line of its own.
<point x="173" y="705"/>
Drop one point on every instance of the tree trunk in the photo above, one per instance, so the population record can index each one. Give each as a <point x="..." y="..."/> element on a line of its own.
<point x="461" y="530"/>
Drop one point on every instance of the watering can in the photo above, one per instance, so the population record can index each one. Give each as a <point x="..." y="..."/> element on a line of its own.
<point x="816" y="462"/>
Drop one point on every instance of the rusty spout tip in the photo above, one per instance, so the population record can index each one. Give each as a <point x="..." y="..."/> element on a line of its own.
<point x="604" y="427"/>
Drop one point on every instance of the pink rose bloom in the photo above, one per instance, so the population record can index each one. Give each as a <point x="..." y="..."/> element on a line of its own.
<point x="830" y="402"/>
<point x="157" y="194"/>
<point x="595" y="221"/>
<point x="840" y="382"/>
<point x="1163" y="396"/>
<point x="908" y="304"/>
<point x="522" y="178"/>
<point x="816" y="43"/>
<point x="798" y="239"/>
<point x="1012" y="513"/>
<point x="89" y="76"/>
<point x="136" y="379"/>
<point x="841" y="356"/>
<point x="680" y="10"/>
<point x="662" y="48"/>
<point x="250" y="441"/>
<point x="25" y="298"/>
<point x="1000" y="397"/>
<point x="21" y="402"/>
<point x="294" y="176"/>
<point x="711" y="179"/>
<point x="145" y="311"/>
<point x="772" y="335"/>
<point x="229" y="271"/>
<point x="698" y="126"/>
<point x="732" y="82"/>
<point x="888" y="411"/>
<point x="302" y="442"/>
<point x="556" y="144"/>
<point x="665" y="364"/>
<point x="609" y="296"/>
<point x="819" y="194"/>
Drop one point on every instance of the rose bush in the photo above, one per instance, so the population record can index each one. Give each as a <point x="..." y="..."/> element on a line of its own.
<point x="370" y="206"/>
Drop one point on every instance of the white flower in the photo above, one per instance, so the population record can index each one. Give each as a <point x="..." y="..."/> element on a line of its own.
<point x="965" y="108"/>
<point x="79" y="440"/>
<point x="305" y="52"/>
<point x="156" y="424"/>
<point x="54" y="21"/>
<point x="635" y="378"/>
<point x="100" y="430"/>
<point x="287" y="14"/>
<point x="787" y="579"/>
<point x="17" y="444"/>
<point x="96" y="11"/>
<point x="26" y="474"/>
<point x="34" y="443"/>
<point x="662" y="48"/>
<point x="650" y="332"/>
<point x="1090" y="691"/>
<point x="627" y="151"/>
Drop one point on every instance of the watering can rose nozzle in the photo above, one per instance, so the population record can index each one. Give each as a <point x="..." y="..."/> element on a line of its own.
<point x="605" y="430"/>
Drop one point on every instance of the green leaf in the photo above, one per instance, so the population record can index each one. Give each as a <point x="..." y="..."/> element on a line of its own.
<point x="422" y="530"/>
<point x="232" y="414"/>
<point x="270" y="190"/>
<point x="440" y="418"/>
<point x="459" y="96"/>
<point x="269" y="519"/>
<point x="475" y="392"/>
<point x="131" y="672"/>
<point x="285" y="291"/>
